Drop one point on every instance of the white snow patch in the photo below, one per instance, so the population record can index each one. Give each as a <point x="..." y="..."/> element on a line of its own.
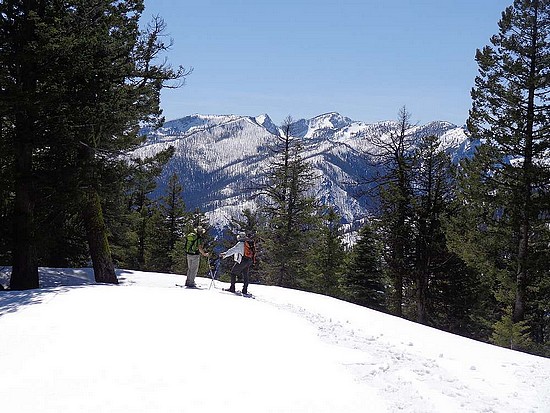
<point x="149" y="346"/>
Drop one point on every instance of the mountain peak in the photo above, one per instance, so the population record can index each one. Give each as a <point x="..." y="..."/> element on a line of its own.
<point x="265" y="121"/>
<point x="331" y="120"/>
<point x="309" y="128"/>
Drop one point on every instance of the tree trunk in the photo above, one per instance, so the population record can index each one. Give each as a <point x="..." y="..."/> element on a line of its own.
<point x="522" y="279"/>
<point x="24" y="274"/>
<point x="399" y="258"/>
<point x="24" y="266"/>
<point x="398" y="295"/>
<point x="421" y="297"/>
<point x="104" y="269"/>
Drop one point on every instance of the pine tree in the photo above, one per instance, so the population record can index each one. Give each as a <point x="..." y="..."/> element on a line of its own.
<point x="6" y="176"/>
<point x="393" y="155"/>
<point x="21" y="58"/>
<point x="173" y="208"/>
<point x="432" y="192"/>
<point x="130" y="211"/>
<point x="166" y="227"/>
<point x="289" y="210"/>
<point x="449" y="296"/>
<point x="504" y="189"/>
<point x="460" y="300"/>
<point x="364" y="280"/>
<point x="325" y="260"/>
<point x="124" y="91"/>
<point x="81" y="79"/>
<point x="157" y="240"/>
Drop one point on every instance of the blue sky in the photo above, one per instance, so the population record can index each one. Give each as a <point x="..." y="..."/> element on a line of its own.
<point x="364" y="59"/>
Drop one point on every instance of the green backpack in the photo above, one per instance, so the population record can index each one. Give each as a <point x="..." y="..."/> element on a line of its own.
<point x="192" y="243"/>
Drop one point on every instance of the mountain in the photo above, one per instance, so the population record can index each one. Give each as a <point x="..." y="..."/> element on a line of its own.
<point x="217" y="157"/>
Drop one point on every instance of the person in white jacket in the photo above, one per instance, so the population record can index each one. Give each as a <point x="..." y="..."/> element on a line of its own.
<point x="242" y="262"/>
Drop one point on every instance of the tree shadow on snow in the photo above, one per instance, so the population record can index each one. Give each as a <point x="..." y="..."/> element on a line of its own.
<point x="52" y="282"/>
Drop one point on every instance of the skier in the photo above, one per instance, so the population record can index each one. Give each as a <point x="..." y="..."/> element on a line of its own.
<point x="194" y="248"/>
<point x="243" y="255"/>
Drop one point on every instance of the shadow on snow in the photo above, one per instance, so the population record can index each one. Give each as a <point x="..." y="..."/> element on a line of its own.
<point x="52" y="282"/>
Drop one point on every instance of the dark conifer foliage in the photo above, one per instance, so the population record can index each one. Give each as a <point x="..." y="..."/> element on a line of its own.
<point x="432" y="191"/>
<point x="173" y="207"/>
<point x="78" y="77"/>
<point x="167" y="225"/>
<point x="326" y="257"/>
<point x="364" y="281"/>
<point x="21" y="98"/>
<point x="289" y="210"/>
<point x="448" y="295"/>
<point x="129" y="211"/>
<point x="394" y="158"/>
<point x="505" y="188"/>
<point x="6" y="195"/>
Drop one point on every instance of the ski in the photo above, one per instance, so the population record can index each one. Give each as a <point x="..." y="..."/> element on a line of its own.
<point x="239" y="293"/>
<point x="196" y="287"/>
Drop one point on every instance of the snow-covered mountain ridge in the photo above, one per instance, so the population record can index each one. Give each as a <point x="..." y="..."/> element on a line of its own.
<point x="217" y="157"/>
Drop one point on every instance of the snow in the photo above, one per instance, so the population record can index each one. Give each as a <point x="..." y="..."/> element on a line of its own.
<point x="149" y="346"/>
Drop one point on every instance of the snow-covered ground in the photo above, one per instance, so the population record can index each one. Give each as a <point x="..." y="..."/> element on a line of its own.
<point x="149" y="346"/>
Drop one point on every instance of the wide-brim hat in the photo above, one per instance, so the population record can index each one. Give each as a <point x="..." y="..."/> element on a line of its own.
<point x="241" y="236"/>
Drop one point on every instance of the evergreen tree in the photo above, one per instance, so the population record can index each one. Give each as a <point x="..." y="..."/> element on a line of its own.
<point x="449" y="296"/>
<point x="6" y="180"/>
<point x="130" y="211"/>
<point x="432" y="192"/>
<point x="364" y="280"/>
<point x="325" y="260"/>
<point x="22" y="57"/>
<point x="289" y="211"/>
<point x="166" y="227"/>
<point x="157" y="240"/>
<point x="393" y="156"/>
<point x="460" y="301"/>
<point x="249" y="222"/>
<point x="173" y="208"/>
<point x="504" y="189"/>
<point x="81" y="78"/>
<point x="124" y="91"/>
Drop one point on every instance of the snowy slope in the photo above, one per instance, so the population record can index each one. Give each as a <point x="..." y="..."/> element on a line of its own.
<point x="148" y="346"/>
<point x="218" y="157"/>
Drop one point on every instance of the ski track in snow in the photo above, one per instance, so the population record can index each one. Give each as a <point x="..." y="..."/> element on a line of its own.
<point x="394" y="370"/>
